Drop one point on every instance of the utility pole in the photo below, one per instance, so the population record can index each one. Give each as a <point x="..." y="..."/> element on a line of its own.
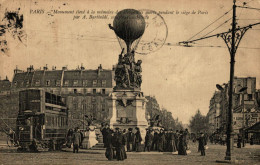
<point x="230" y="135"/>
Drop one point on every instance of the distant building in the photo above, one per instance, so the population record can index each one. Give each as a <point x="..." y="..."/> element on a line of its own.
<point x="7" y="117"/>
<point x="214" y="112"/>
<point x="246" y="107"/>
<point x="5" y="86"/>
<point x="85" y="90"/>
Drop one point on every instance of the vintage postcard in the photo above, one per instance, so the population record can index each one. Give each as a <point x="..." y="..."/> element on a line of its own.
<point x="140" y="82"/>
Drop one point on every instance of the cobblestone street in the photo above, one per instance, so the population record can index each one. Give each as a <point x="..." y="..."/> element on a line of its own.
<point x="248" y="155"/>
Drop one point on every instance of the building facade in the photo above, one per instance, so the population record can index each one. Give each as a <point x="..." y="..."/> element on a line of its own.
<point x="84" y="90"/>
<point x="214" y="112"/>
<point x="246" y="107"/>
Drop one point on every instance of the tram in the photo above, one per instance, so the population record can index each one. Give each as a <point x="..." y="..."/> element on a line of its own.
<point x="42" y="120"/>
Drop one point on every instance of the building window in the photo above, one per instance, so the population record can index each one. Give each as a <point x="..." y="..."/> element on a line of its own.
<point x="250" y="96"/>
<point x="75" y="83"/>
<point x="15" y="83"/>
<point x="27" y="83"/>
<point x="48" y="82"/>
<point x="37" y="82"/>
<point x="94" y="91"/>
<point x="94" y="83"/>
<point x="103" y="91"/>
<point x="85" y="90"/>
<point x="75" y="91"/>
<point x="103" y="83"/>
<point x="57" y="83"/>
<point x="85" y="83"/>
<point x="66" y="83"/>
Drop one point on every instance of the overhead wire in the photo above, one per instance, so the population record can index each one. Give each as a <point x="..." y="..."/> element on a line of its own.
<point x="209" y="25"/>
<point x="217" y="27"/>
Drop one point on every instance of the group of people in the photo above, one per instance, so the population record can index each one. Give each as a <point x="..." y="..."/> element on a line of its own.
<point x="117" y="141"/>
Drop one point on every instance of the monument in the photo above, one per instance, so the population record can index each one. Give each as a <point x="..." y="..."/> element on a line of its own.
<point x="127" y="103"/>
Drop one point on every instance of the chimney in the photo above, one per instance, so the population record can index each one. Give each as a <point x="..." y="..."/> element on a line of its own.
<point x="45" y="67"/>
<point x="82" y="67"/>
<point x="99" y="69"/>
<point x="53" y="67"/>
<point x="64" y="68"/>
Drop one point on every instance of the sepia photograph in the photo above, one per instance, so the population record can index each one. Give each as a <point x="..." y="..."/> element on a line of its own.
<point x="130" y="82"/>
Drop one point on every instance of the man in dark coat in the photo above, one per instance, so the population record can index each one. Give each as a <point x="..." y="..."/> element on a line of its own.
<point x="120" y="142"/>
<point x="130" y="140"/>
<point x="76" y="139"/>
<point x="138" y="140"/>
<point x="155" y="140"/>
<point x="148" y="140"/>
<point x="105" y="131"/>
<point x="202" y="144"/>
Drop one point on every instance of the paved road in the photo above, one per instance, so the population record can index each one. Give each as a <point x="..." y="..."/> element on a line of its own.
<point x="249" y="155"/>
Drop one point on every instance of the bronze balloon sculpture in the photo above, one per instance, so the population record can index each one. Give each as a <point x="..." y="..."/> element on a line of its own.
<point x="128" y="25"/>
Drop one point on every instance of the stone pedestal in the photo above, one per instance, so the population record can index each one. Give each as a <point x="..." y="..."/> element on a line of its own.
<point x="127" y="110"/>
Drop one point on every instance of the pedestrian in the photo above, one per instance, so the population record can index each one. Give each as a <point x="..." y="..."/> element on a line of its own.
<point x="105" y="132"/>
<point x="69" y="138"/>
<point x="161" y="141"/>
<point x="176" y="137"/>
<point x="125" y="137"/>
<point x="239" y="140"/>
<point x="181" y="145"/>
<point x="130" y="140"/>
<point x="202" y="143"/>
<point x="172" y="145"/>
<point x="119" y="144"/>
<point x="186" y="138"/>
<point x="138" y="140"/>
<point x="155" y="140"/>
<point x="148" y="140"/>
<point x="109" y="146"/>
<point x="76" y="139"/>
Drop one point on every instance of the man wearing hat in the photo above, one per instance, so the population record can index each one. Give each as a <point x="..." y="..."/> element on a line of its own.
<point x="76" y="139"/>
<point x="202" y="144"/>
<point x="105" y="132"/>
<point x="130" y="140"/>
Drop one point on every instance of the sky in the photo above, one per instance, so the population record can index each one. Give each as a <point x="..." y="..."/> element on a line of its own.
<point x="183" y="79"/>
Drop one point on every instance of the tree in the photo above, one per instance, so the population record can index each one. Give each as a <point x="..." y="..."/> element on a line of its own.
<point x="164" y="116"/>
<point x="199" y="123"/>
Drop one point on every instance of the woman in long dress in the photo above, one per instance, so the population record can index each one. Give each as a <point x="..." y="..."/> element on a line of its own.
<point x="161" y="141"/>
<point x="182" y="145"/>
<point x="120" y="142"/>
<point x="138" y="140"/>
<point x="109" y="145"/>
